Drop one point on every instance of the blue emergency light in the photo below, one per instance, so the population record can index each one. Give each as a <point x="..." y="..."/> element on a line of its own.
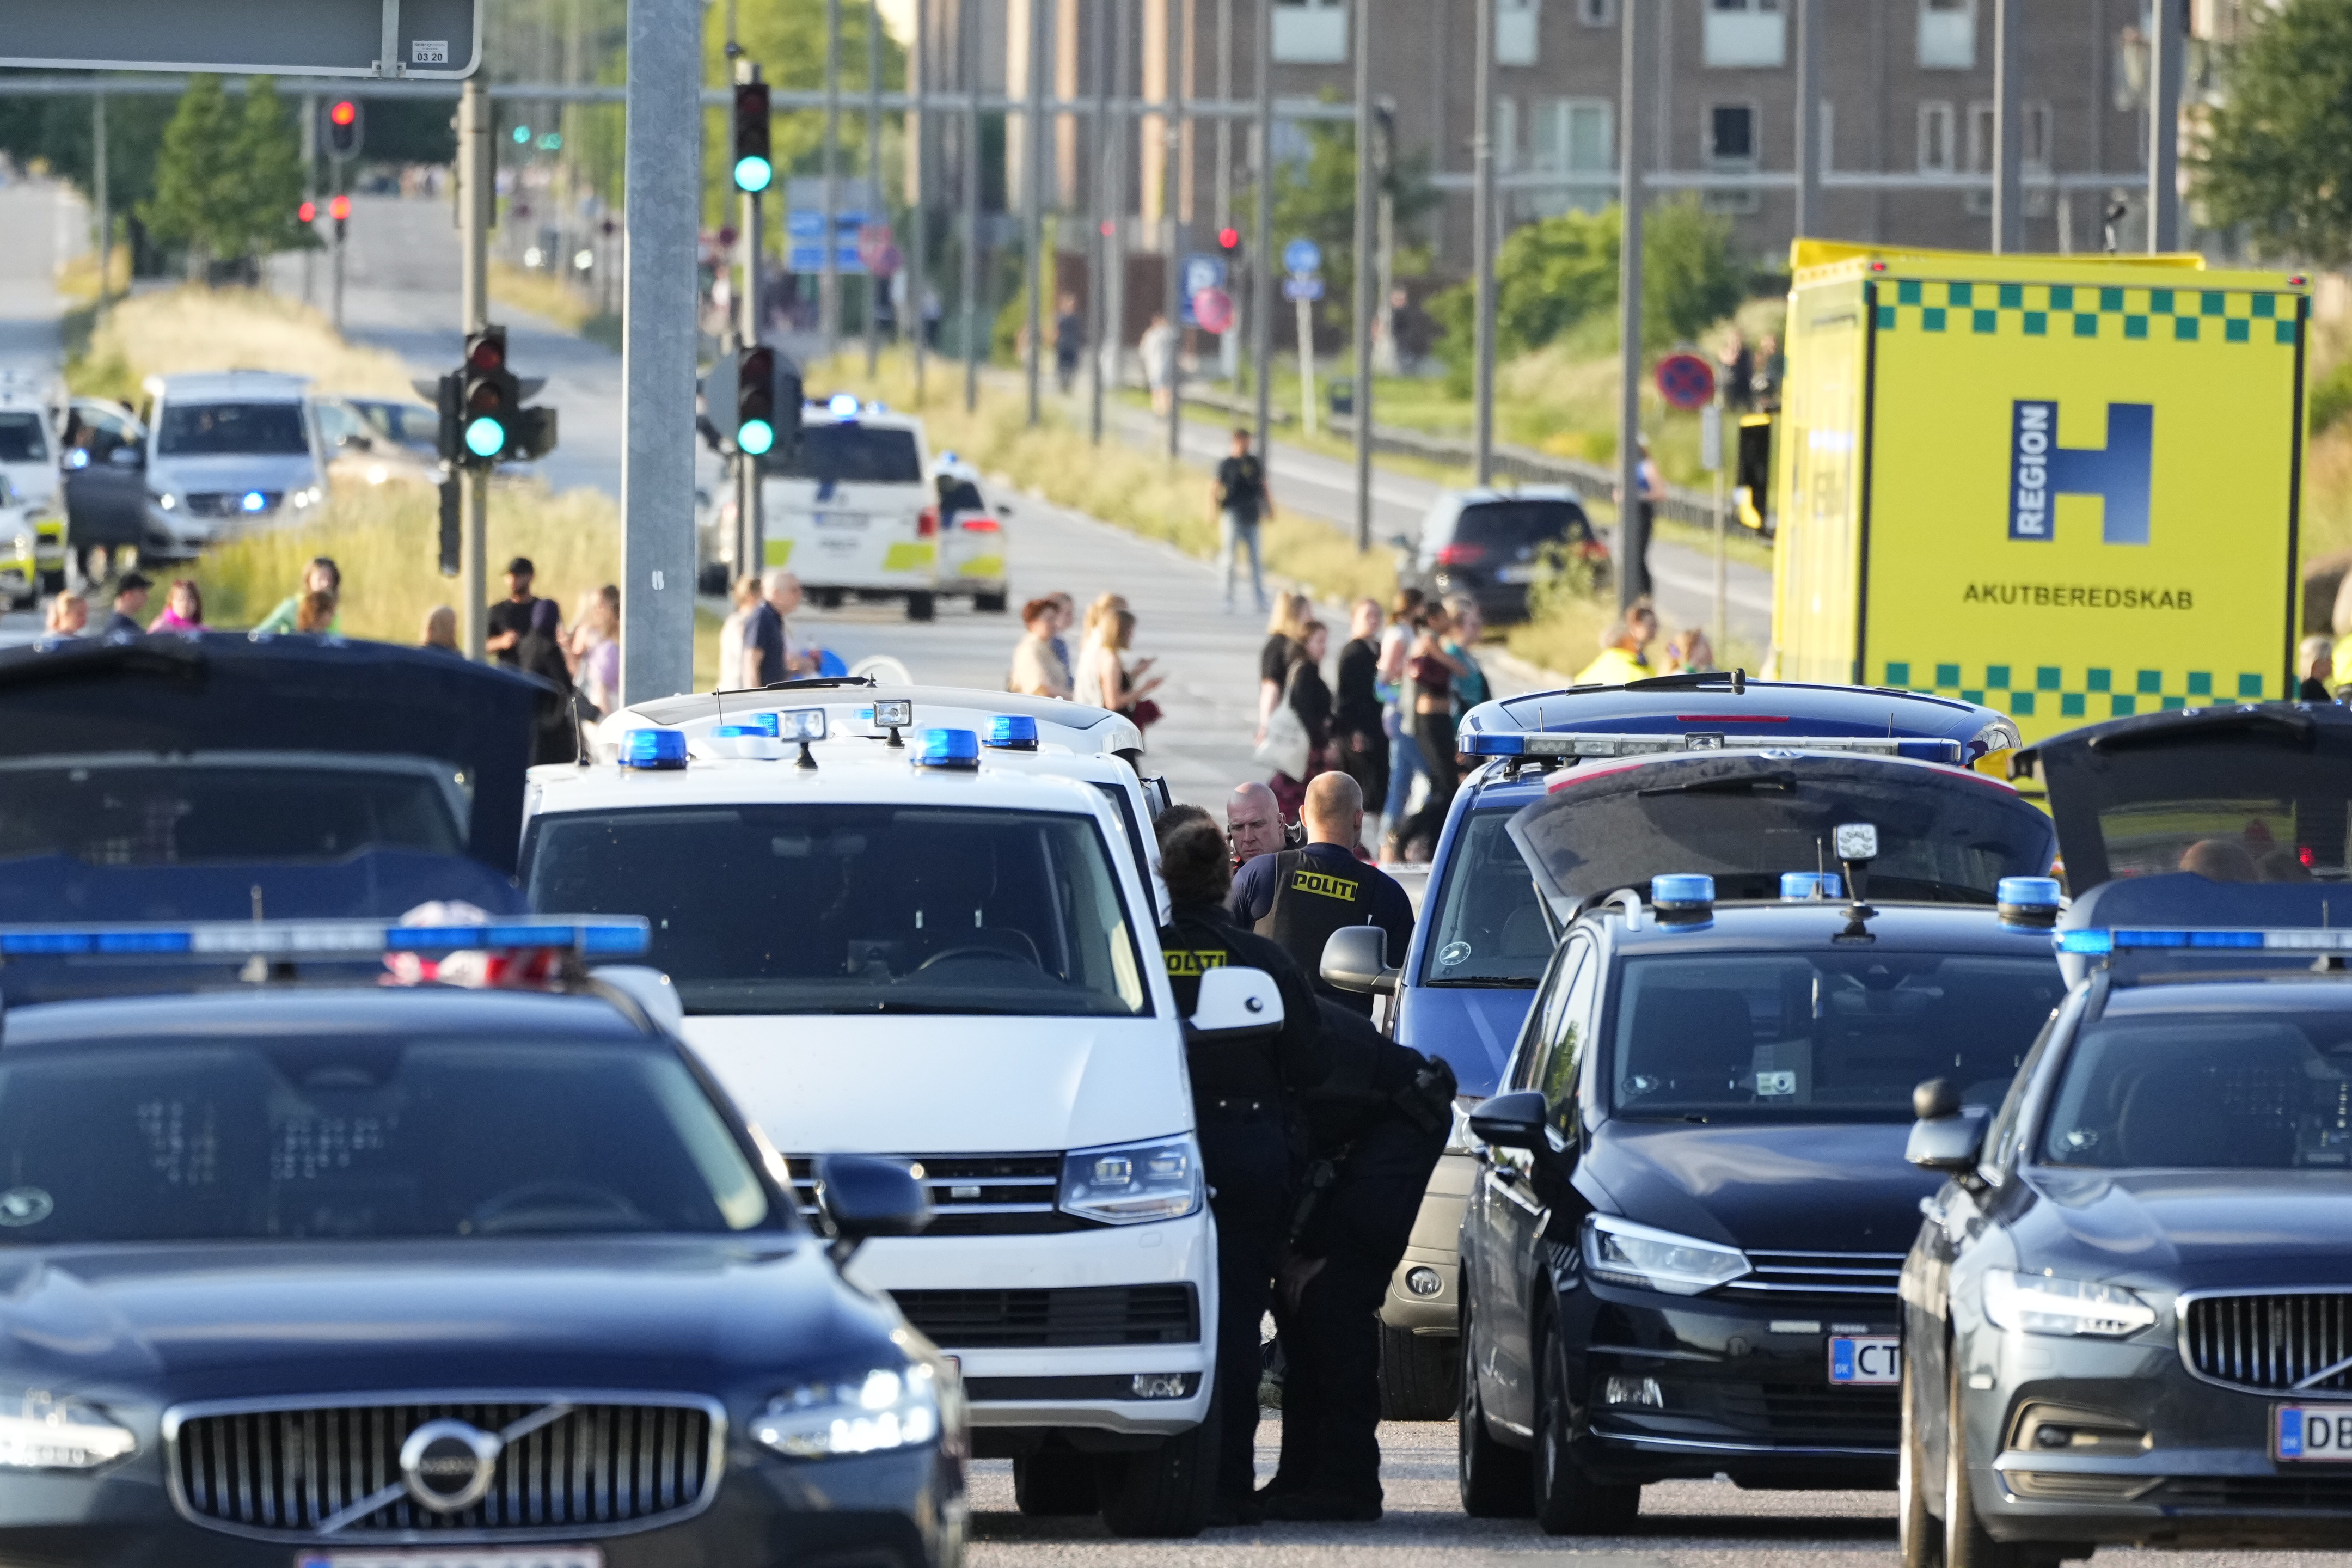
<point x="1684" y="898"/>
<point x="1012" y="732"/>
<point x="594" y="935"/>
<point x="947" y="749"/>
<point x="2029" y="903"/>
<point x="1580" y="744"/>
<point x="842" y="405"/>
<point x="2306" y="939"/>
<point x="763" y="723"/>
<point x="255" y="502"/>
<point x="1814" y="885"/>
<point x="654" y="749"/>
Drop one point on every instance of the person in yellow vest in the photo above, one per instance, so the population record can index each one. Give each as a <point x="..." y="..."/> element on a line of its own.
<point x="1623" y="650"/>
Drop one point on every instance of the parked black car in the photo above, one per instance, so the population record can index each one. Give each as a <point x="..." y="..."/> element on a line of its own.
<point x="1491" y="545"/>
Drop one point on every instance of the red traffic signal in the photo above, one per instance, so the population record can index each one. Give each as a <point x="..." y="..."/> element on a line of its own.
<point x="342" y="129"/>
<point x="308" y="211"/>
<point x="339" y="208"/>
<point x="488" y="352"/>
<point x="345" y="111"/>
<point x="1229" y="240"/>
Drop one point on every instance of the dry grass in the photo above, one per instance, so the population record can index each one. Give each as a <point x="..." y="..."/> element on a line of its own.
<point x="77" y="278"/>
<point x="549" y="299"/>
<point x="198" y="329"/>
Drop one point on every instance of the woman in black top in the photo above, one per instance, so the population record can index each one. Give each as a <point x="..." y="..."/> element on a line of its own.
<point x="1285" y="628"/>
<point x="1359" y="746"/>
<point x="1309" y="696"/>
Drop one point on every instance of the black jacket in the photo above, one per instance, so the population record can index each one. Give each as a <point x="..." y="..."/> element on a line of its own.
<point x="1200" y="937"/>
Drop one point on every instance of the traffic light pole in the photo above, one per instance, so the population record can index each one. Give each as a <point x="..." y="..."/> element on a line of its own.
<point x="474" y="199"/>
<point x="309" y="188"/>
<point x="751" y="526"/>
<point x="337" y="181"/>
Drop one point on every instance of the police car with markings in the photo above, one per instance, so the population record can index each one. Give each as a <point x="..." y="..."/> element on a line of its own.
<point x="1680" y="1256"/>
<point x="849" y="510"/>
<point x="2128" y="1310"/>
<point x="1485" y="935"/>
<point x="919" y="951"/>
<point x="492" y="1272"/>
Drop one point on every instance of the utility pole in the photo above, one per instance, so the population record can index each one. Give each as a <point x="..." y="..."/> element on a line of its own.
<point x="2167" y="42"/>
<point x="829" y="294"/>
<point x="1808" y="114"/>
<point x="1122" y="158"/>
<point x="1262" y="248"/>
<point x="103" y="215"/>
<point x="2008" y="208"/>
<point x="310" y="189"/>
<point x="1633" y="535"/>
<point x="1037" y="275"/>
<point x="1364" y="273"/>
<point x="663" y="170"/>
<point x="919" y="152"/>
<point x="1224" y="121"/>
<point x="1098" y="243"/>
<point x="474" y="197"/>
<point x="1172" y="135"/>
<point x="968" y="51"/>
<point x="1482" y="243"/>
<point x="877" y="208"/>
<point x="751" y="526"/>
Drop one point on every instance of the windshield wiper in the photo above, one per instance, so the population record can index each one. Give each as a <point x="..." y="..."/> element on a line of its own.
<point x="1782" y="782"/>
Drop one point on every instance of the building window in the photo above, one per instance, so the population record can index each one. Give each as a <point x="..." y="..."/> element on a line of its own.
<point x="1731" y="134"/>
<point x="1947" y="35"/>
<point x="1745" y="35"/>
<point x="1571" y="136"/>
<point x="1517" y="42"/>
<point x="1506" y="134"/>
<point x="1597" y="12"/>
<point x="2033" y="132"/>
<point x="1310" y="32"/>
<point x="1935" y="138"/>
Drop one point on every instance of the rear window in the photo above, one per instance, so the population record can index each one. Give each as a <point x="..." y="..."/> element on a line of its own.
<point x="853" y="455"/>
<point x="172" y="815"/>
<point x="22" y="439"/>
<point x="1518" y="524"/>
<point x="232" y="430"/>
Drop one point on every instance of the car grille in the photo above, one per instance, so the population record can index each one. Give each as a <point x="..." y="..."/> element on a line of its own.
<point x="973" y="1195"/>
<point x="1030" y="1320"/>
<point x="1857" y="1278"/>
<point x="1810" y="1412"/>
<point x="230" y="504"/>
<point x="598" y="1468"/>
<point x="2333" y="1493"/>
<point x="2285" y="1341"/>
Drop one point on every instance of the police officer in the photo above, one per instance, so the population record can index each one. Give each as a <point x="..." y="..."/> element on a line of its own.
<point x="1299" y="897"/>
<point x="1377" y="1126"/>
<point x="1246" y="1097"/>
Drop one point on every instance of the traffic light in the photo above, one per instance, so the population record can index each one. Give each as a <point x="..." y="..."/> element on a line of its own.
<point x="753" y="170"/>
<point x="488" y="401"/>
<point x="1229" y="240"/>
<point x="340" y="209"/>
<point x="755" y="401"/>
<point x="343" y="129"/>
<point x="752" y="403"/>
<point x="308" y="213"/>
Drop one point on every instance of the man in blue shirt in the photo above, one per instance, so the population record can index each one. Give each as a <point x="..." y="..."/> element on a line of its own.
<point x="1299" y="897"/>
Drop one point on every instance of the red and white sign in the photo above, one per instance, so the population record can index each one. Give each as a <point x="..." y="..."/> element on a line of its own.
<point x="1214" y="309"/>
<point x="1686" y="381"/>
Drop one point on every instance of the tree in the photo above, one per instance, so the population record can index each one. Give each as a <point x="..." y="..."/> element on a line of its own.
<point x="192" y="175"/>
<point x="267" y="155"/>
<point x="788" y="41"/>
<point x="2273" y="154"/>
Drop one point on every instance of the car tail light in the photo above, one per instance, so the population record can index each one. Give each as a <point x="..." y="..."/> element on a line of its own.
<point x="926" y="526"/>
<point x="1461" y="555"/>
<point x="1593" y="550"/>
<point x="980" y="525"/>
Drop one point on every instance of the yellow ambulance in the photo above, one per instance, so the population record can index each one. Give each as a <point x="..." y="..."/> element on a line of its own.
<point x="2063" y="487"/>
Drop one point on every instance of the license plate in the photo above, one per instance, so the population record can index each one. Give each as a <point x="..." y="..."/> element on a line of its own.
<point x="2313" y="1433"/>
<point x="1866" y="1358"/>
<point x="1517" y="574"/>
<point x="509" y="1557"/>
<point x="841" y="520"/>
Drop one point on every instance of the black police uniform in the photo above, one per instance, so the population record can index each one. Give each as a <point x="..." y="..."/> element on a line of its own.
<point x="1252" y="1143"/>
<point x="1377" y="1127"/>
<point x="1316" y="894"/>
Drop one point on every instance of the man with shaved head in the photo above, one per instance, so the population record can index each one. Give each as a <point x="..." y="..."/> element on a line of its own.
<point x="1299" y="897"/>
<point x="1254" y="824"/>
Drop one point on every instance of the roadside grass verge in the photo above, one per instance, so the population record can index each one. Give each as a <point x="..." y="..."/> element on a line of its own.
<point x="193" y="328"/>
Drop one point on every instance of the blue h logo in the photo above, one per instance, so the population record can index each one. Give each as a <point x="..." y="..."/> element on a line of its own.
<point x="2119" y="473"/>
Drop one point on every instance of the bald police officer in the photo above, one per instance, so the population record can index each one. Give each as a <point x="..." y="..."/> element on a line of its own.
<point x="1299" y="897"/>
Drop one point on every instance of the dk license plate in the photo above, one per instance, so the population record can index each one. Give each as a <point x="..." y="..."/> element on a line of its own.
<point x="2305" y="1433"/>
<point x="841" y="520"/>
<point x="1517" y="574"/>
<point x="428" y="1557"/>
<point x="1866" y="1359"/>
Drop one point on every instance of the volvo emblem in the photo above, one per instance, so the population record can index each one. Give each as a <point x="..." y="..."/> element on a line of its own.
<point x="448" y="1465"/>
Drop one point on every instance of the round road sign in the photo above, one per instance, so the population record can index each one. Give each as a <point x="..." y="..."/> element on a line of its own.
<point x="1214" y="309"/>
<point x="1301" y="257"/>
<point x="1686" y="381"/>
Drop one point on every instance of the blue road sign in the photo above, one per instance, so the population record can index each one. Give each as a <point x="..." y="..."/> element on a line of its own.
<point x="1302" y="288"/>
<point x="1201" y="272"/>
<point x="1301" y="257"/>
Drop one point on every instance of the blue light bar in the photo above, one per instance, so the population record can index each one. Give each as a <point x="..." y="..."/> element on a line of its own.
<point x="763" y="723"/>
<point x="842" y="405"/>
<point x="2134" y="940"/>
<point x="1012" y="732"/>
<point x="947" y="749"/>
<point x="1575" y="744"/>
<point x="1488" y="743"/>
<point x="654" y="749"/>
<point x="1681" y="889"/>
<point x="598" y="935"/>
<point x="1796" y="885"/>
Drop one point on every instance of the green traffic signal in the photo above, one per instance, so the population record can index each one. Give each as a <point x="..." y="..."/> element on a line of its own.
<point x="485" y="436"/>
<point x="753" y="173"/>
<point x="522" y="135"/>
<point x="755" y="437"/>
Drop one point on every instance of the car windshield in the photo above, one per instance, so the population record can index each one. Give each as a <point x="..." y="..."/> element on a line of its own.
<point x="857" y="909"/>
<point x="287" y="1138"/>
<point x="1943" y="835"/>
<point x="105" y="813"/>
<point x="1820" y="1035"/>
<point x="2207" y="1091"/>
<point x="1490" y="926"/>
<point x="853" y="455"/>
<point x="1509" y="527"/>
<point x="232" y="430"/>
<point x="22" y="439"/>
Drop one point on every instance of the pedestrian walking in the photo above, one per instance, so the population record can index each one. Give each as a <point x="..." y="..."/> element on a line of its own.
<point x="1358" y="741"/>
<point x="1307" y="697"/>
<point x="1069" y="341"/>
<point x="130" y="599"/>
<point x="1247" y="1102"/>
<point x="1299" y="897"/>
<point x="595" y="650"/>
<point x="1285" y="646"/>
<point x="65" y="615"/>
<point x="509" y="618"/>
<point x="1430" y="673"/>
<point x="1404" y="755"/>
<point x="441" y="631"/>
<point x="1254" y="824"/>
<point x="1243" y="501"/>
<point x="1085" y="675"/>
<point x="1624" y="656"/>
<point x="320" y="576"/>
<point x="1038" y="668"/>
<point x="183" y="608"/>
<point x="1157" y="350"/>
<point x="1126" y="688"/>
<point x="767" y="654"/>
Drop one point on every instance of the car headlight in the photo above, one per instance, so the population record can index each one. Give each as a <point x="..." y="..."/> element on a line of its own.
<point x="1131" y="1183"/>
<point x="47" y="1432"/>
<point x="25" y="542"/>
<point x="1624" y="1253"/>
<point x="164" y="499"/>
<point x="889" y="1408"/>
<point x="2044" y="1304"/>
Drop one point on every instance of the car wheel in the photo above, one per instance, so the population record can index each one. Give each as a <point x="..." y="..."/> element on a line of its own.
<point x="1494" y="1477"/>
<point x="1966" y="1542"/>
<point x="1054" y="1483"/>
<point x="1164" y="1492"/>
<point x="920" y="606"/>
<point x="1920" y="1541"/>
<point x="1420" y="1375"/>
<point x="1567" y="1500"/>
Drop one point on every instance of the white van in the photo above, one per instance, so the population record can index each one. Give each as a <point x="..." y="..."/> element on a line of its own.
<point x="849" y="510"/>
<point x="923" y="952"/>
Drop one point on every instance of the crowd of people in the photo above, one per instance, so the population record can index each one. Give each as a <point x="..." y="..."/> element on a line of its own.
<point x="1102" y="672"/>
<point x="1625" y="650"/>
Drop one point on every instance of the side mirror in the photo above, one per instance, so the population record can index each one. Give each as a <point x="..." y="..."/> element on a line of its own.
<point x="1949" y="1136"/>
<point x="1356" y="958"/>
<point x="1004" y="509"/>
<point x="1235" y="1005"/>
<point x="861" y="1195"/>
<point x="1515" y="1121"/>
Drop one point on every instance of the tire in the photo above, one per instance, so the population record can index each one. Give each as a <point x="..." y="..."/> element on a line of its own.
<point x="1567" y="1500"/>
<point x="1495" y="1479"/>
<point x="989" y="604"/>
<point x="1919" y="1538"/>
<point x="1165" y="1492"/>
<point x="1421" y="1376"/>
<point x="921" y="607"/>
<point x="1967" y="1544"/>
<point x="1054" y="1483"/>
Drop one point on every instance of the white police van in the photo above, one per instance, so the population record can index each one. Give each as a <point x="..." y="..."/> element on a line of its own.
<point x="849" y="510"/>
<point x="921" y="951"/>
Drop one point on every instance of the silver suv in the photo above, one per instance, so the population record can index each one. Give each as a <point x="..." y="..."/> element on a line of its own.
<point x="227" y="450"/>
